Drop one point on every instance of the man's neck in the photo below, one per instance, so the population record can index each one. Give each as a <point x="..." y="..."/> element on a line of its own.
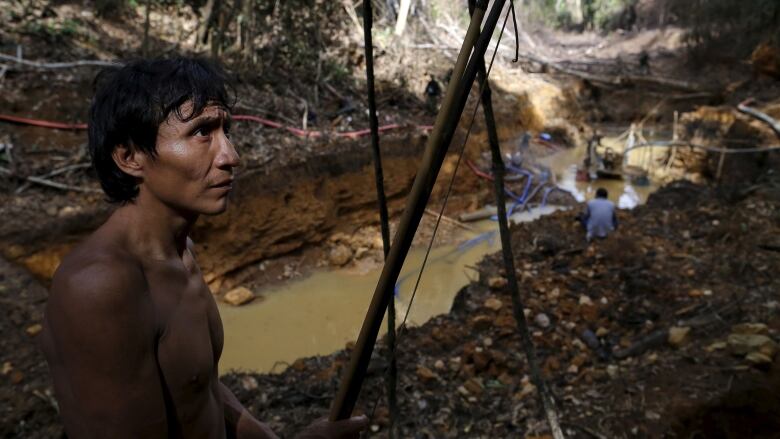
<point x="153" y="229"/>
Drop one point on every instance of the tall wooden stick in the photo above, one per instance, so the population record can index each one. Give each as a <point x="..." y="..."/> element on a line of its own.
<point x="509" y="266"/>
<point x="436" y="148"/>
<point x="509" y="260"/>
<point x="392" y="370"/>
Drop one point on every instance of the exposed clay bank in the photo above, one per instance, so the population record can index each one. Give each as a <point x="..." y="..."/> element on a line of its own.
<point x="321" y="313"/>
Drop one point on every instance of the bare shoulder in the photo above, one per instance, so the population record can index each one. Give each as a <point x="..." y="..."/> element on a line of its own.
<point x="95" y="277"/>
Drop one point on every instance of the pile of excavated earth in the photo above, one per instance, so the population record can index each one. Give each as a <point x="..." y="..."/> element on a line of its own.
<point x="667" y="328"/>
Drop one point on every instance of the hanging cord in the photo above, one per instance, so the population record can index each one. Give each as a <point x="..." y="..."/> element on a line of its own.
<point x="446" y="197"/>
<point x="392" y="369"/>
<point x="517" y="31"/>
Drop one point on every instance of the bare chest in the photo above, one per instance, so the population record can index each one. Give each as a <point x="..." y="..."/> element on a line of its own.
<point x="190" y="336"/>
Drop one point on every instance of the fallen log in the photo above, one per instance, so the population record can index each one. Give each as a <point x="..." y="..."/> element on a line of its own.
<point x="660" y="336"/>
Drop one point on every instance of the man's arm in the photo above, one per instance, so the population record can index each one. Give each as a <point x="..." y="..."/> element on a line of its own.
<point x="99" y="342"/>
<point x="242" y="425"/>
<point x="239" y="422"/>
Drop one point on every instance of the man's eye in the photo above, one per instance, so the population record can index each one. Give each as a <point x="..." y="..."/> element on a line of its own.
<point x="200" y="132"/>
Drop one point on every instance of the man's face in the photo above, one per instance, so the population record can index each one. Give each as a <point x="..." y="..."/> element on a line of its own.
<point x="193" y="169"/>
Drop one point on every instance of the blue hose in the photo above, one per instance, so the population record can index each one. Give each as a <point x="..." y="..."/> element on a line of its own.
<point x="487" y="236"/>
<point x="528" y="182"/>
<point x="490" y="237"/>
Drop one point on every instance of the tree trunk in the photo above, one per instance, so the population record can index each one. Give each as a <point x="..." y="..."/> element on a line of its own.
<point x="145" y="45"/>
<point x="218" y="18"/>
<point x="403" y="14"/>
<point x="247" y="38"/>
<point x="207" y="12"/>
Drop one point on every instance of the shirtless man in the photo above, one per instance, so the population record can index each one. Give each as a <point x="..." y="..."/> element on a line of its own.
<point x="132" y="334"/>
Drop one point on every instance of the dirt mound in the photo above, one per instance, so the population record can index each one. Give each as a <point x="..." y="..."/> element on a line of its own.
<point x="750" y="409"/>
<point x="532" y="103"/>
<point x="630" y="331"/>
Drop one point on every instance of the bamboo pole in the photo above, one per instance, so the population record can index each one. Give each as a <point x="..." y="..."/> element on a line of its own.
<point x="436" y="148"/>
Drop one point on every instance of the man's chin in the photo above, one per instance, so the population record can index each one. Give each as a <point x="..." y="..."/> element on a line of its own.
<point x="214" y="208"/>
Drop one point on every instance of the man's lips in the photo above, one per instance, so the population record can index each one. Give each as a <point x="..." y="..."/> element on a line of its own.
<point x="224" y="184"/>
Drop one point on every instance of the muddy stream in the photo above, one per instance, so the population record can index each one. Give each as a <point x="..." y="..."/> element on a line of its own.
<point x="319" y="314"/>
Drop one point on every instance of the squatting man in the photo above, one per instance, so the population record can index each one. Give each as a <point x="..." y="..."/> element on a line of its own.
<point x="132" y="334"/>
<point x="599" y="218"/>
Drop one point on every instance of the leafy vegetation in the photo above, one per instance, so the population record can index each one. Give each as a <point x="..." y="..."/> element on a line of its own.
<point x="715" y="21"/>
<point x="599" y="15"/>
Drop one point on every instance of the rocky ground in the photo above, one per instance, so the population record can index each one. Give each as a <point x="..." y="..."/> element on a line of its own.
<point x="668" y="328"/>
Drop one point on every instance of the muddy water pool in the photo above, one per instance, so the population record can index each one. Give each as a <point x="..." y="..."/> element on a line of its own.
<point x="622" y="193"/>
<point x="321" y="313"/>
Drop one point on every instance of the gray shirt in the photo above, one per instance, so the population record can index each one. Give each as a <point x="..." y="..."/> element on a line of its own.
<point x="600" y="217"/>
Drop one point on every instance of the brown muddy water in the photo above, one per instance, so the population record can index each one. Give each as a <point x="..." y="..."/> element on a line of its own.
<point x="321" y="313"/>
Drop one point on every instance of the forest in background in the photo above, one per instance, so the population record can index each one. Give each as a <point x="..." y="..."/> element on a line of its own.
<point x="310" y="35"/>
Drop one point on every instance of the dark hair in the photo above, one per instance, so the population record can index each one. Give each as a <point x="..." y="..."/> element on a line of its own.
<point x="131" y="102"/>
<point x="601" y="193"/>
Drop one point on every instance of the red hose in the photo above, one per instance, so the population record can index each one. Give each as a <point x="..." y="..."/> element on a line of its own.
<point x="548" y="144"/>
<point x="269" y="123"/>
<point x="44" y="123"/>
<point x="476" y="171"/>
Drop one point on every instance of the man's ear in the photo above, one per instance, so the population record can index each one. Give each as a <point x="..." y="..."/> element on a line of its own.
<point x="130" y="160"/>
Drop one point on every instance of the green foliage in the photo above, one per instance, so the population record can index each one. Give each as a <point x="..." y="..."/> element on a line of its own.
<point x="734" y="21"/>
<point x="111" y="8"/>
<point x="336" y="72"/>
<point x="608" y="15"/>
<point x="53" y="31"/>
<point x="543" y="11"/>
<point x="602" y="15"/>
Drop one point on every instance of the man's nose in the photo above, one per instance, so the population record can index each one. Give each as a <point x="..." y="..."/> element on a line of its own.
<point x="227" y="157"/>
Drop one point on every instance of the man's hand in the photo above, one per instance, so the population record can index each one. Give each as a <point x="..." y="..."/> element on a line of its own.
<point x="324" y="429"/>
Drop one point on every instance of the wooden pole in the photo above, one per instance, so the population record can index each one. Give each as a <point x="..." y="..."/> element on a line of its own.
<point x="384" y="222"/>
<point x="721" y="162"/>
<point x="673" y="154"/>
<point x="509" y="261"/>
<point x="446" y="122"/>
